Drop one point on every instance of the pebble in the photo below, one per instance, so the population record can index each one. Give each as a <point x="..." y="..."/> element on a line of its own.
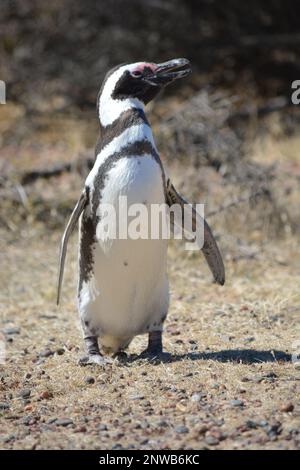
<point x="274" y="429"/>
<point x="211" y="440"/>
<point x="263" y="423"/>
<point x="26" y="420"/>
<point x="60" y="351"/>
<point x="163" y="424"/>
<point x="4" y="406"/>
<point x="28" y="408"/>
<point x="102" y="427"/>
<point x="136" y="397"/>
<point x="181" y="429"/>
<point x="82" y="429"/>
<point x="46" y="353"/>
<point x="45" y="395"/>
<point x="287" y="407"/>
<point x="202" y="429"/>
<point x="25" y="393"/>
<point x="235" y="403"/>
<point x="89" y="380"/>
<point x="11" y="331"/>
<point x="63" y="422"/>
<point x="251" y="424"/>
<point x="51" y="420"/>
<point x="196" y="397"/>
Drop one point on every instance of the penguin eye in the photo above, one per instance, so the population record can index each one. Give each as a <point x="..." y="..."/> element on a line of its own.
<point x="136" y="74"/>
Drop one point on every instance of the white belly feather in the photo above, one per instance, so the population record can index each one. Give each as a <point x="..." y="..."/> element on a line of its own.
<point x="128" y="292"/>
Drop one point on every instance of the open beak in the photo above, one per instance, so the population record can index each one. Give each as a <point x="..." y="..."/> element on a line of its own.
<point x="169" y="71"/>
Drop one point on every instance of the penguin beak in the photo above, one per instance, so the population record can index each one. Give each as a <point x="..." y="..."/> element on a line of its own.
<point x="167" y="72"/>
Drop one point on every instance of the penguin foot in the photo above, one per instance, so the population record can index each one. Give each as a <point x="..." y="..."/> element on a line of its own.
<point x="94" y="359"/>
<point x="154" y="351"/>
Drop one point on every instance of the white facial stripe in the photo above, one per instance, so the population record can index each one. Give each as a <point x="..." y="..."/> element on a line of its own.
<point x="110" y="109"/>
<point x="130" y="135"/>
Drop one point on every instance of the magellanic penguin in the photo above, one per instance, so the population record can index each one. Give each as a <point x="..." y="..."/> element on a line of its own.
<point x="123" y="286"/>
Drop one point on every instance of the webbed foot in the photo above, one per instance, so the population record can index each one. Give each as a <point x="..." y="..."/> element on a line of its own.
<point x="94" y="359"/>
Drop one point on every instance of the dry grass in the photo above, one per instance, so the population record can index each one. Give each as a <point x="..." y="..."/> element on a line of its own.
<point x="230" y="343"/>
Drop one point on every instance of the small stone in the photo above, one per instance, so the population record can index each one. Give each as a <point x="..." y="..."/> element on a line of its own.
<point x="287" y="407"/>
<point x="51" y="420"/>
<point x="102" y="427"/>
<point x="236" y="403"/>
<point x="60" y="351"/>
<point x="63" y="422"/>
<point x="181" y="429"/>
<point x="26" y="420"/>
<point x="45" y="395"/>
<point x="28" y="408"/>
<point x="89" y="380"/>
<point x="27" y="376"/>
<point x="11" y="331"/>
<point x="25" y="393"/>
<point x="46" y="353"/>
<point x="212" y="440"/>
<point x="263" y="423"/>
<point x="81" y="429"/>
<point x="136" y="397"/>
<point x="274" y="429"/>
<point x="4" y="406"/>
<point x="251" y="424"/>
<point x="202" y="429"/>
<point x="196" y="397"/>
<point x="146" y="403"/>
<point x="163" y="424"/>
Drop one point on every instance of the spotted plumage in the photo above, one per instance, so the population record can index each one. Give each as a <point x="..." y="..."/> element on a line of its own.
<point x="123" y="286"/>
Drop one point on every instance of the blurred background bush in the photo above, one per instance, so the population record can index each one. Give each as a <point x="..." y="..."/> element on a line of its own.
<point x="229" y="133"/>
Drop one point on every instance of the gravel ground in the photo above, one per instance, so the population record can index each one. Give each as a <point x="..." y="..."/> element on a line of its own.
<point x="229" y="383"/>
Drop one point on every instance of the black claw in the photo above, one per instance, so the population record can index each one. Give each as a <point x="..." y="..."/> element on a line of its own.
<point x="121" y="356"/>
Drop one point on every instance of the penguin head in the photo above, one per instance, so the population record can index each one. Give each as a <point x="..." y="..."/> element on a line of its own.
<point x="137" y="84"/>
<point x="143" y="80"/>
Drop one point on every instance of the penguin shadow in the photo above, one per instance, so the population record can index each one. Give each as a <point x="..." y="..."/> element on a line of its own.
<point x="235" y="356"/>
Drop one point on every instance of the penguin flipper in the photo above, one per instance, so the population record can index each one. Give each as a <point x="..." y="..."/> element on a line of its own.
<point x="210" y="248"/>
<point x="80" y="205"/>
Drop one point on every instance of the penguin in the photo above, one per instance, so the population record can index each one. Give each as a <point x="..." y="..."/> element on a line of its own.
<point x="123" y="288"/>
